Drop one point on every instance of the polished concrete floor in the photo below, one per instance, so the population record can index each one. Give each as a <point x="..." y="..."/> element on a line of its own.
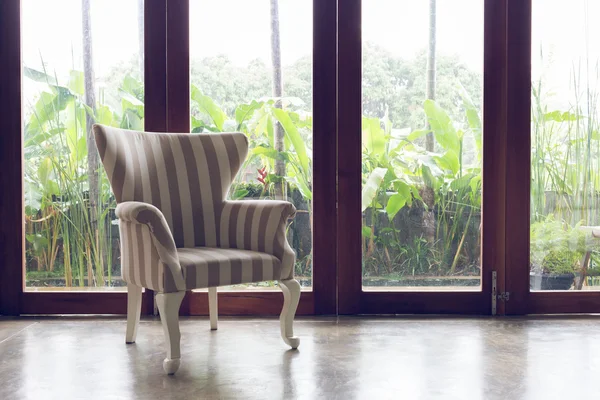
<point x="338" y="358"/>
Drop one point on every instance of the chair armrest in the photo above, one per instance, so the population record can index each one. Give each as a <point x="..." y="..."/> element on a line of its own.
<point x="147" y="214"/>
<point x="259" y="225"/>
<point x="135" y="212"/>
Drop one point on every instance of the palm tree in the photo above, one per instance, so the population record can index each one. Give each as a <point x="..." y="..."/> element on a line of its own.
<point x="90" y="101"/>
<point x="277" y="93"/>
<point x="430" y="85"/>
<point x="427" y="192"/>
<point x="94" y="252"/>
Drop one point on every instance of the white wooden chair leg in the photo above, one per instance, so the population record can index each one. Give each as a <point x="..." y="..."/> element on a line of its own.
<point x="291" y="297"/>
<point x="134" y="309"/>
<point x="168" y="307"/>
<point x="213" y="307"/>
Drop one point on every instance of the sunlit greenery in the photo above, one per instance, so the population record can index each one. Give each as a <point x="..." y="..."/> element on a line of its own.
<point x="65" y="248"/>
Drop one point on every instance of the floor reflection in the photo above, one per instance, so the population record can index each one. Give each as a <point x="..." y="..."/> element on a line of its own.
<point x="345" y="358"/>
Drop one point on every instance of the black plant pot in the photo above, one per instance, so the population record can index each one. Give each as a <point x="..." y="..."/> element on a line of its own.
<point x="551" y="281"/>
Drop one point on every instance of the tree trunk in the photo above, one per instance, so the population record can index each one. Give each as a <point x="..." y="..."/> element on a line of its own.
<point x="430" y="85"/>
<point x="428" y="195"/>
<point x="141" y="38"/>
<point x="278" y="93"/>
<point x="90" y="101"/>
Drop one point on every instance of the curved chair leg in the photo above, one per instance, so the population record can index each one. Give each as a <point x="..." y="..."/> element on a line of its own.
<point x="168" y="307"/>
<point x="213" y="308"/>
<point x="134" y="309"/>
<point x="291" y="297"/>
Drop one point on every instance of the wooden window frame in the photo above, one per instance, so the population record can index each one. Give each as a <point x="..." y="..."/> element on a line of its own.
<point x="506" y="179"/>
<point x="14" y="299"/>
<point x="518" y="178"/>
<point x="11" y="160"/>
<point x="167" y="109"/>
<point x="321" y="300"/>
<point x="337" y="281"/>
<point x="352" y="298"/>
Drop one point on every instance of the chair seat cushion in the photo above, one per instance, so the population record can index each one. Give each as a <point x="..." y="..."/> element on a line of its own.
<point x="209" y="267"/>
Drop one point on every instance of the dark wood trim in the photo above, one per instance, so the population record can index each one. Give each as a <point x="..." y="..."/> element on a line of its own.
<point x="80" y="303"/>
<point x="518" y="154"/>
<point x="196" y="303"/>
<point x="155" y="84"/>
<point x="494" y="148"/>
<point x="571" y="302"/>
<point x="352" y="300"/>
<point x="155" y="65"/>
<point x="11" y="160"/>
<point x="349" y="248"/>
<point x="178" y="66"/>
<point x="249" y="303"/>
<point x="472" y="303"/>
<point x="324" y="156"/>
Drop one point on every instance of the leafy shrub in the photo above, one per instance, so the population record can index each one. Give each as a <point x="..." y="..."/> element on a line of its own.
<point x="561" y="262"/>
<point x="556" y="246"/>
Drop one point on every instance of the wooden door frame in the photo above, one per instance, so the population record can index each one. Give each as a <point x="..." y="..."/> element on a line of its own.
<point x="167" y="89"/>
<point x="11" y="160"/>
<point x="322" y="299"/>
<point x="14" y="300"/>
<point x="522" y="300"/>
<point x="518" y="151"/>
<point x="352" y="299"/>
<point x="505" y="235"/>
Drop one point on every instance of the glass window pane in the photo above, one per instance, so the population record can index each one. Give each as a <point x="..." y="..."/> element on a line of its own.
<point x="422" y="144"/>
<point x="254" y="75"/>
<point x="565" y="146"/>
<point x="77" y="69"/>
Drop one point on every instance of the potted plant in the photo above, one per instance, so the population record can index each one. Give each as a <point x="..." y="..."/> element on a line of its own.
<point x="556" y="252"/>
<point x="558" y="270"/>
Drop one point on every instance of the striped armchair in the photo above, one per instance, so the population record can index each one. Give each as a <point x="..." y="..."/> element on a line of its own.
<point x="178" y="231"/>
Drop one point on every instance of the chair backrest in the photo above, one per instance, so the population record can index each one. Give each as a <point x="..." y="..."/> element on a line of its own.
<point x="186" y="176"/>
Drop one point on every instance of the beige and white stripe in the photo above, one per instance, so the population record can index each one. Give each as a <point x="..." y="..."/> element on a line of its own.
<point x="175" y="221"/>
<point x="209" y="267"/>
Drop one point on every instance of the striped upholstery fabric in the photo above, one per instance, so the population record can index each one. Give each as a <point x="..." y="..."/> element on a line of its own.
<point x="209" y="266"/>
<point x="173" y="216"/>
<point x="148" y="253"/>
<point x="259" y="226"/>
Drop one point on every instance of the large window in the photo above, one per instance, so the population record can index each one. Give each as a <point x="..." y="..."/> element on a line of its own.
<point x="254" y="75"/>
<point x="565" y="146"/>
<point x="422" y="88"/>
<point x="78" y="69"/>
<point x="400" y="186"/>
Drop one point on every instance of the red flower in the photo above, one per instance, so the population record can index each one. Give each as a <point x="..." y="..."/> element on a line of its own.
<point x="262" y="175"/>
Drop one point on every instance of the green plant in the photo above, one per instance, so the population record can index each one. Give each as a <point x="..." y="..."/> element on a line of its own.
<point x="396" y="169"/>
<point x="566" y="148"/>
<point x="417" y="257"/>
<point x="58" y="222"/>
<point x="561" y="262"/>
<point x="256" y="119"/>
<point x="556" y="246"/>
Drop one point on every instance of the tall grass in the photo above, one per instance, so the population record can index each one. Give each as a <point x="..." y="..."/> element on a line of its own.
<point x="61" y="235"/>
<point x="565" y="158"/>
